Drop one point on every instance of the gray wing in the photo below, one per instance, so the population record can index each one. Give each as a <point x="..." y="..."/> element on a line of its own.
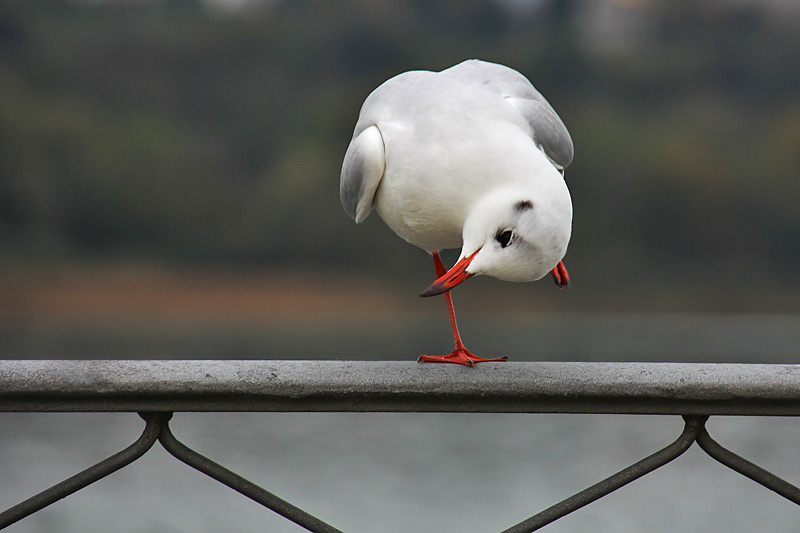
<point x="546" y="127"/>
<point x="362" y="172"/>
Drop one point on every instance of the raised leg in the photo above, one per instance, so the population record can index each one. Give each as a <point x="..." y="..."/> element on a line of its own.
<point x="460" y="354"/>
<point x="560" y="276"/>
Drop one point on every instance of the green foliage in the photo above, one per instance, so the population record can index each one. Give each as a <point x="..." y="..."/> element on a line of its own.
<point x="171" y="129"/>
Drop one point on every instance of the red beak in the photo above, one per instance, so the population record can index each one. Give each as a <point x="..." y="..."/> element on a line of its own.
<point x="451" y="278"/>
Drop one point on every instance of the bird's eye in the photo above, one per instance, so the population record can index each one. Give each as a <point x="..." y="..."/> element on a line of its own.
<point x="504" y="237"/>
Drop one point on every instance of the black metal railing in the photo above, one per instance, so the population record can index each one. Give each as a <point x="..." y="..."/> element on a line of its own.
<point x="157" y="389"/>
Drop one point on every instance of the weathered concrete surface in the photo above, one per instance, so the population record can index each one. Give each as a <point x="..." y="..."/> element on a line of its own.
<point x="656" y="388"/>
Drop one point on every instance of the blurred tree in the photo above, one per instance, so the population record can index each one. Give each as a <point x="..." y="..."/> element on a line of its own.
<point x="188" y="133"/>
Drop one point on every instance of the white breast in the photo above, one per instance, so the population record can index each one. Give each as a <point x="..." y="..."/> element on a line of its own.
<point x="434" y="178"/>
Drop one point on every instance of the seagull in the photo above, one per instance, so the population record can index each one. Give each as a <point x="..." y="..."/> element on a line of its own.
<point x="472" y="156"/>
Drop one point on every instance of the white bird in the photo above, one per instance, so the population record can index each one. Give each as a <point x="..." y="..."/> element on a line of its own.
<point x="471" y="156"/>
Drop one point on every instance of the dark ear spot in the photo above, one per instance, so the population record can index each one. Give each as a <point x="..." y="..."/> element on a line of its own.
<point x="523" y="205"/>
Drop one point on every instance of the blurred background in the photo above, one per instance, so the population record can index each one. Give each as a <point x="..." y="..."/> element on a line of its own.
<point x="169" y="189"/>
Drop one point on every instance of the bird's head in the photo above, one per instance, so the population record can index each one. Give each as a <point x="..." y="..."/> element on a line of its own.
<point x="513" y="235"/>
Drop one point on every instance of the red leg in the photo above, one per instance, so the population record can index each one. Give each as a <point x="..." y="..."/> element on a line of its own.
<point x="560" y="276"/>
<point x="460" y="354"/>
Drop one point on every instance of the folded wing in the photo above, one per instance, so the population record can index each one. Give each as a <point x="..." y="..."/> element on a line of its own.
<point x="362" y="171"/>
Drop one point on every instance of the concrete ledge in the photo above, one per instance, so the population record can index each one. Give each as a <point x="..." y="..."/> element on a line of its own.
<point x="541" y="387"/>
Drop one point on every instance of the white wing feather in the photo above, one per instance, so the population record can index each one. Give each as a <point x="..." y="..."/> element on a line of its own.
<point x="362" y="170"/>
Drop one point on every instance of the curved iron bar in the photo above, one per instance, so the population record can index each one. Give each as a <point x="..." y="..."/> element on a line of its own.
<point x="154" y="424"/>
<point x="241" y="485"/>
<point x="691" y="429"/>
<point x="157" y="428"/>
<point x="746" y="468"/>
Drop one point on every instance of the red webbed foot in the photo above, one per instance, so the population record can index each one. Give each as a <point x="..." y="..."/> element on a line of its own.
<point x="560" y="276"/>
<point x="460" y="356"/>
